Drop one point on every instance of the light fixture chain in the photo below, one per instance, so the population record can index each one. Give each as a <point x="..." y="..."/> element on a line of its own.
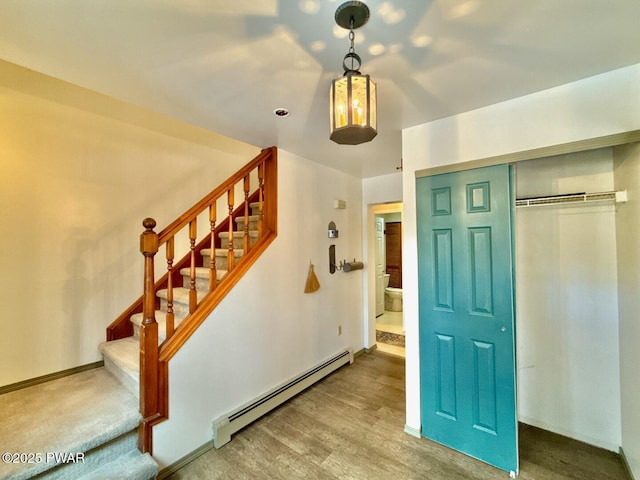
<point x="352" y="37"/>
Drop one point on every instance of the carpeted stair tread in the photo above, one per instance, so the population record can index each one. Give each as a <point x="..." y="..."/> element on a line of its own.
<point x="236" y="234"/>
<point x="252" y="218"/>
<point x="206" y="252"/>
<point x="122" y="359"/>
<point x="180" y="295"/>
<point x="161" y="318"/>
<point x="132" y="466"/>
<point x="202" y="272"/>
<point x="73" y="414"/>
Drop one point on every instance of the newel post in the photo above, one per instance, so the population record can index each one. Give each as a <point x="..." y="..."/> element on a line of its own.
<point x="148" y="339"/>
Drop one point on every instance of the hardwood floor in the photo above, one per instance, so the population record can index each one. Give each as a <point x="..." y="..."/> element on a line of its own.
<point x="350" y="426"/>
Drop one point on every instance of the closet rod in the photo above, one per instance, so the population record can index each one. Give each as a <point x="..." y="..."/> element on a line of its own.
<point x="618" y="197"/>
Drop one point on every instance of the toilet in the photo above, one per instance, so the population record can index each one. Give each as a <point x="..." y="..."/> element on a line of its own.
<point x="392" y="296"/>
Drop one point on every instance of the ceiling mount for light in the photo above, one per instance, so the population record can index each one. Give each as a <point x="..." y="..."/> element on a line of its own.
<point x="353" y="100"/>
<point x="356" y="12"/>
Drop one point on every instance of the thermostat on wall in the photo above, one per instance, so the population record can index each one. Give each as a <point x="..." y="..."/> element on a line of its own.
<point x="341" y="204"/>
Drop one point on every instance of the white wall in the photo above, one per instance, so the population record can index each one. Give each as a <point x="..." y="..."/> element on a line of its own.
<point x="267" y="330"/>
<point x="567" y="301"/>
<point x="375" y="191"/>
<point x="593" y="107"/>
<point x="627" y="176"/>
<point x="78" y="173"/>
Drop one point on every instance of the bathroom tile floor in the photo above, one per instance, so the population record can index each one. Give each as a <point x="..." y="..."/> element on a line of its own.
<point x="390" y="322"/>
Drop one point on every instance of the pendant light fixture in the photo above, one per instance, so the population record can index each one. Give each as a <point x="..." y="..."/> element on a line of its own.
<point x="353" y="101"/>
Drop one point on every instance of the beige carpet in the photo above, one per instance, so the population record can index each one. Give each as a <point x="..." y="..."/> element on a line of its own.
<point x="73" y="414"/>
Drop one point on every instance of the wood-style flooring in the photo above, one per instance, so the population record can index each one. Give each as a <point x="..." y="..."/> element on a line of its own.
<point x="350" y="426"/>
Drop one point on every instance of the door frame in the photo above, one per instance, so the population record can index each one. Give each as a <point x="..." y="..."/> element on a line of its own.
<point x="369" y="299"/>
<point x="381" y="257"/>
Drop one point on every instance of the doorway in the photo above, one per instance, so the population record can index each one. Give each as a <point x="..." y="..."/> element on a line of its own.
<point x="389" y="325"/>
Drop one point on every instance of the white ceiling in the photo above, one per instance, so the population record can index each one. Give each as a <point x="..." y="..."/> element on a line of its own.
<point x="226" y="65"/>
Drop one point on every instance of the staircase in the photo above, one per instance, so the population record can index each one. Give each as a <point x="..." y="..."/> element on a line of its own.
<point x="99" y="422"/>
<point x="143" y="339"/>
<point x="122" y="357"/>
<point x="82" y="426"/>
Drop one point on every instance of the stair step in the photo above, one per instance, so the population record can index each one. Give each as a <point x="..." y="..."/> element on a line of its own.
<point x="180" y="300"/>
<point x="238" y="234"/>
<point x="238" y="239"/>
<point x="222" y="252"/>
<point x="202" y="277"/>
<point x="89" y="412"/>
<point x="122" y="360"/>
<point x="253" y="222"/>
<point x="255" y="208"/>
<point x="96" y="459"/>
<point x="161" y="318"/>
<point x="222" y="260"/>
<point x="252" y="218"/>
<point x="133" y="465"/>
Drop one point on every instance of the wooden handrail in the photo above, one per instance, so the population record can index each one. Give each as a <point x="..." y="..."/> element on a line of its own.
<point x="121" y="327"/>
<point x="153" y="359"/>
<point x="178" y="224"/>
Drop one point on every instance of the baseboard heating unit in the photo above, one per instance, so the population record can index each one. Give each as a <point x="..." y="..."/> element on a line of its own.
<point x="229" y="424"/>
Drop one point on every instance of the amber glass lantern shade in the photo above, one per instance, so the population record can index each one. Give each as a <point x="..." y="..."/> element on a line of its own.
<point x="353" y="109"/>
<point x="352" y="98"/>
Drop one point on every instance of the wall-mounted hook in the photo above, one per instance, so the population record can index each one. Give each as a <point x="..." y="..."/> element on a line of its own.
<point x="350" y="266"/>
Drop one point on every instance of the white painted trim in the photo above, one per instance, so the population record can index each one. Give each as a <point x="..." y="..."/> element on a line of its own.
<point x="414" y="432"/>
<point x="625" y="462"/>
<point x="549" y="151"/>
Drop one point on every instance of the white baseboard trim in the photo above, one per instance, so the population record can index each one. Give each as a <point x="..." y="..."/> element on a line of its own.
<point x="627" y="467"/>
<point x="414" y="432"/>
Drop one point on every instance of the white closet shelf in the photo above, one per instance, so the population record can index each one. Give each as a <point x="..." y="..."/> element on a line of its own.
<point x="617" y="197"/>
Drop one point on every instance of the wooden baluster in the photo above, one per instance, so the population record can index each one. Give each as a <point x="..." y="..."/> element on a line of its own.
<point x="193" y="294"/>
<point x="170" y="323"/>
<point x="213" y="273"/>
<point x="148" y="339"/>
<point x="230" y="256"/>
<point x="261" y="199"/>
<point x="246" y="213"/>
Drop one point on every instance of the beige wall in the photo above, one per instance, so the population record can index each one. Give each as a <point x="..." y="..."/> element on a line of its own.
<point x="627" y="176"/>
<point x="78" y="173"/>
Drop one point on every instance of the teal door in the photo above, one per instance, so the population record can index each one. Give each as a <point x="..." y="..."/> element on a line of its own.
<point x="466" y="299"/>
